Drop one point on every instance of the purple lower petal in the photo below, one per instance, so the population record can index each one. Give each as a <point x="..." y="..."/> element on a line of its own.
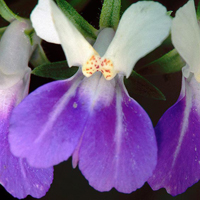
<point x="118" y="148"/>
<point x="47" y="125"/>
<point x="179" y="142"/>
<point x="108" y="132"/>
<point x="16" y="175"/>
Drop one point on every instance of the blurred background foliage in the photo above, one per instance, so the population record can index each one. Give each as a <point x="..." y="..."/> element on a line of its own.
<point x="69" y="183"/>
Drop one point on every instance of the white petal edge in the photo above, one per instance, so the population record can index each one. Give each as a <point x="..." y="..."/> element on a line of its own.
<point x="15" y="51"/>
<point x="77" y="49"/>
<point x="142" y="28"/>
<point x="43" y="23"/>
<point x="186" y="36"/>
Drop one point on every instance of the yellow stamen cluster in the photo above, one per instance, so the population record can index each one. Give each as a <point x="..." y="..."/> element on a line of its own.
<point x="96" y="63"/>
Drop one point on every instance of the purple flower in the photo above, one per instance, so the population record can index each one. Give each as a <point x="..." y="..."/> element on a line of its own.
<point x="177" y="131"/>
<point x="89" y="116"/>
<point x="17" y="177"/>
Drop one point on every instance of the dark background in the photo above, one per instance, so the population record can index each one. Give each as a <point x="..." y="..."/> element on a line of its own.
<point x="69" y="183"/>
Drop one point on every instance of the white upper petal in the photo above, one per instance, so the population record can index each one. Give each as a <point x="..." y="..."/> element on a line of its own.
<point x="76" y="47"/>
<point x="15" y="51"/>
<point x="186" y="36"/>
<point x="142" y="28"/>
<point x="42" y="22"/>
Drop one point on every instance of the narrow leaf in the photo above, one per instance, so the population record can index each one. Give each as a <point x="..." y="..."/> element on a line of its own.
<point x="87" y="30"/>
<point x="139" y="85"/>
<point x="171" y="62"/>
<point x="56" y="70"/>
<point x="110" y="14"/>
<point x="198" y="11"/>
<point x="6" y="13"/>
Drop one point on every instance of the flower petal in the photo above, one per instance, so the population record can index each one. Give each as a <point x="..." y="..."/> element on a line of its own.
<point x="142" y="28"/>
<point x="43" y="23"/>
<point x="77" y="49"/>
<point x="186" y="36"/>
<point x="17" y="177"/>
<point x="46" y="126"/>
<point x="118" y="147"/>
<point x="179" y="142"/>
<point x="55" y="118"/>
<point x="15" y="50"/>
<point x="21" y="180"/>
<point x="57" y="115"/>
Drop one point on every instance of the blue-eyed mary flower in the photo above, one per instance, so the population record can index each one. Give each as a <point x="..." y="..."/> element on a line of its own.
<point x="17" y="177"/>
<point x="178" y="130"/>
<point x="90" y="116"/>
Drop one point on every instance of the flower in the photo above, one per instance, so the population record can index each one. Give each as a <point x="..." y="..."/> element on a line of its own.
<point x="178" y="129"/>
<point x="91" y="116"/>
<point x="17" y="177"/>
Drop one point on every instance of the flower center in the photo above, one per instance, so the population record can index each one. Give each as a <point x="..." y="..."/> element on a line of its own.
<point x="97" y="63"/>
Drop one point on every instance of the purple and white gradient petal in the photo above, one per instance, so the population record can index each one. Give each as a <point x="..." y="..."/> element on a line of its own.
<point x="118" y="147"/>
<point x="178" y="141"/>
<point x="17" y="177"/>
<point x="52" y="138"/>
<point x="177" y="131"/>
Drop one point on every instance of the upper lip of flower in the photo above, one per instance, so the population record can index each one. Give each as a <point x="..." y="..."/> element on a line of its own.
<point x="142" y="28"/>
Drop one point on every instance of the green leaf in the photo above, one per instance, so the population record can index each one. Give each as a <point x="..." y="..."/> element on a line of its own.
<point x="198" y="11"/>
<point x="38" y="57"/>
<point x="171" y="62"/>
<point x="110" y="14"/>
<point x="139" y="85"/>
<point x="6" y="13"/>
<point x="87" y="30"/>
<point x="56" y="70"/>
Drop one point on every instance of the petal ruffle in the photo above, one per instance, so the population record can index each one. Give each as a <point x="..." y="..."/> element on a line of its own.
<point x="178" y="142"/>
<point x="17" y="176"/>
<point x="186" y="36"/>
<point x="142" y="28"/>
<point x="118" y="147"/>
